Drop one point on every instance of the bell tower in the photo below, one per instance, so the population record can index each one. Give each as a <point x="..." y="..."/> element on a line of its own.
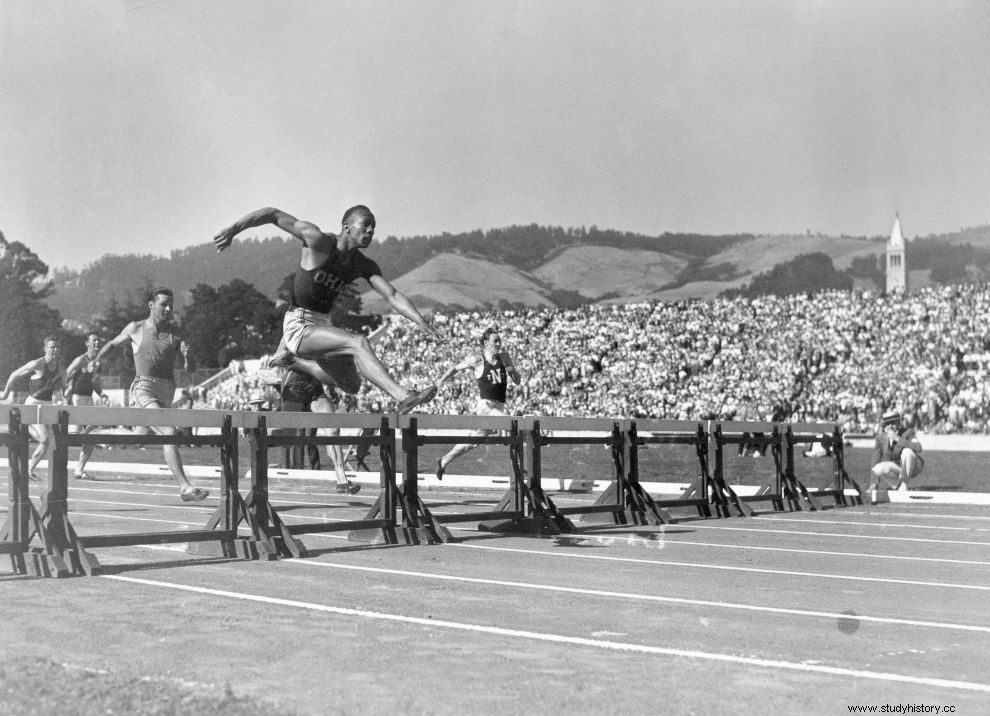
<point x="896" y="266"/>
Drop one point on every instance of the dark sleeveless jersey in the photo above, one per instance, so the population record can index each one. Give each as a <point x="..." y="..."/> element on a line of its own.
<point x="317" y="289"/>
<point x="43" y="388"/>
<point x="82" y="381"/>
<point x="156" y="356"/>
<point x="492" y="383"/>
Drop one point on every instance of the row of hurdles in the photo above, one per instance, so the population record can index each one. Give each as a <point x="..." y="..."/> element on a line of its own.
<point x="45" y="542"/>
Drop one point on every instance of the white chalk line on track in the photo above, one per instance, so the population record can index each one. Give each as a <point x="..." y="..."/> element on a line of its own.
<point x="642" y="597"/>
<point x="934" y="516"/>
<point x="889" y="538"/>
<point x="776" y="518"/>
<point x="568" y="640"/>
<point x="730" y="568"/>
<point x="793" y="550"/>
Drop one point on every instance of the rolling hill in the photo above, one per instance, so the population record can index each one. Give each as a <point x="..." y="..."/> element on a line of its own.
<point x="531" y="265"/>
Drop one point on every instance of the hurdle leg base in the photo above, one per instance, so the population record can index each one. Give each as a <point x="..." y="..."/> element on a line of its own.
<point x="17" y="563"/>
<point x="43" y="564"/>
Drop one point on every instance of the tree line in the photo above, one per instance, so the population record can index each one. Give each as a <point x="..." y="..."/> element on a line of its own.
<point x="234" y="320"/>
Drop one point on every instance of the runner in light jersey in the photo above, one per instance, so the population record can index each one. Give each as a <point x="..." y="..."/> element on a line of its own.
<point x="156" y="347"/>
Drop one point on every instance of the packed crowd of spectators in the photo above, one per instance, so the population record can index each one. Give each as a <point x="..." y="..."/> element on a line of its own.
<point x="844" y="357"/>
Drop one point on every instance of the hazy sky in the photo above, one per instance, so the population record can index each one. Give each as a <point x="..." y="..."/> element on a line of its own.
<point x="147" y="125"/>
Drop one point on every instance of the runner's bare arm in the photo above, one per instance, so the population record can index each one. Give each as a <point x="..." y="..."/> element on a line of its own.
<point x="469" y="362"/>
<point x="123" y="337"/>
<point x="403" y="306"/>
<point x="305" y="231"/>
<point x="187" y="356"/>
<point x="61" y="388"/>
<point x="75" y="368"/>
<point x="29" y="367"/>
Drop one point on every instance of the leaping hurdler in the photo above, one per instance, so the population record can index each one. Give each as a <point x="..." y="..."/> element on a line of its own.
<point x="329" y="263"/>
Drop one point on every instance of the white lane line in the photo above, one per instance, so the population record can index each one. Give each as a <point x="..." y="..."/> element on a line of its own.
<point x="934" y="516"/>
<point x="697" y="565"/>
<point x="889" y="538"/>
<point x="662" y="543"/>
<point x="817" y="669"/>
<point x="643" y="597"/>
<point x="774" y="518"/>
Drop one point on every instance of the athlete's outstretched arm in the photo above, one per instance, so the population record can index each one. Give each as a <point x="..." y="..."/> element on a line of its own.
<point x="469" y="362"/>
<point x="403" y="306"/>
<point x="29" y="367"/>
<point x="305" y="231"/>
<point x="123" y="337"/>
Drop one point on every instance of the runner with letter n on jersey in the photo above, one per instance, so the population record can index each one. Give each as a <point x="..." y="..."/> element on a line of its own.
<point x="492" y="369"/>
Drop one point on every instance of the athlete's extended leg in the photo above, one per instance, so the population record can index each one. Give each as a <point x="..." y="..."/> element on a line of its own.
<point x="327" y="341"/>
<point x="174" y="461"/>
<point x="42" y="434"/>
<point x="458" y="450"/>
<point x="337" y="372"/>
<point x="85" y="452"/>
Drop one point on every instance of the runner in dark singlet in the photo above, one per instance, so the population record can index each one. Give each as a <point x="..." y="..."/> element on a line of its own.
<point x="329" y="263"/>
<point x="156" y="347"/>
<point x="84" y="380"/>
<point x="492" y="369"/>
<point x="47" y="386"/>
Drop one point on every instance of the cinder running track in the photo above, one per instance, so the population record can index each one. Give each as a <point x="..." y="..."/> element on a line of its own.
<point x="809" y="612"/>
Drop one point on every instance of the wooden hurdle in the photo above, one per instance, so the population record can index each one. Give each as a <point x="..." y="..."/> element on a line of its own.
<point x="764" y="434"/>
<point x="276" y="538"/>
<point x="24" y="521"/>
<point x="518" y="509"/>
<point x="829" y="435"/>
<point x="546" y="432"/>
<point x="639" y="506"/>
<point x="70" y="545"/>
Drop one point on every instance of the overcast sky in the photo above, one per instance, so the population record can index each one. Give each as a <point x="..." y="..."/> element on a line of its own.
<point x="147" y="125"/>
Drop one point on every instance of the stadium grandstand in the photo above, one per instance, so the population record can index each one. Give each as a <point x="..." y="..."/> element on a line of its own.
<point x="835" y="356"/>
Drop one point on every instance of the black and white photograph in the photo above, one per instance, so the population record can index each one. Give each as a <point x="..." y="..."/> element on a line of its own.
<point x="494" y="357"/>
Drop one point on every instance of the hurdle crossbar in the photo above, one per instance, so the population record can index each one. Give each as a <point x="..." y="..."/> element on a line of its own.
<point x="268" y="429"/>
